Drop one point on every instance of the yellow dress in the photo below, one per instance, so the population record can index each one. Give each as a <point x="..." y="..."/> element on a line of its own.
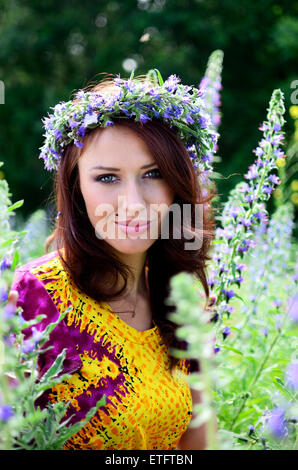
<point x="146" y="407"/>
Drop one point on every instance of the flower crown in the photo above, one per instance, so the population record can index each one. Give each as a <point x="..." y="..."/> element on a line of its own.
<point x="181" y="107"/>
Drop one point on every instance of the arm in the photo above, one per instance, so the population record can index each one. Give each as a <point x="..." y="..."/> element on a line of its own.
<point x="194" y="438"/>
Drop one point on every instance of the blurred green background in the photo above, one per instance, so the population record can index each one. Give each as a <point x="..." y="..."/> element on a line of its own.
<point x="50" y="48"/>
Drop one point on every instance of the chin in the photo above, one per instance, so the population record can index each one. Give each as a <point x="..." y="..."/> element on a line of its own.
<point x="130" y="247"/>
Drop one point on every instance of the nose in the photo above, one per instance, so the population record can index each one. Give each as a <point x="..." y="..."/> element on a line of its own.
<point x="131" y="204"/>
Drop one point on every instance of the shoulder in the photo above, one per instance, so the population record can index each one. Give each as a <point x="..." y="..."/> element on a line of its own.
<point x="40" y="284"/>
<point x="39" y="265"/>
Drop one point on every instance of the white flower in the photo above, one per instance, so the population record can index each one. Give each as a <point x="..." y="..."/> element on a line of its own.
<point x="90" y="119"/>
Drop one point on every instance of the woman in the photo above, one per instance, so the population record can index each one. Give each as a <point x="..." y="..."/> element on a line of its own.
<point x="123" y="161"/>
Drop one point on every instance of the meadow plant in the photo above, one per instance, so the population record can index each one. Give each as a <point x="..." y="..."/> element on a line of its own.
<point x="31" y="246"/>
<point x="22" y="425"/>
<point x="247" y="351"/>
<point x="243" y="212"/>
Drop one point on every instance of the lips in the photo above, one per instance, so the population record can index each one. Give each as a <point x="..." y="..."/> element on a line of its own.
<point x="132" y="223"/>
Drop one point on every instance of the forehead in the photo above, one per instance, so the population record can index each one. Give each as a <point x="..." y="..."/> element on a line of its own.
<point x="114" y="144"/>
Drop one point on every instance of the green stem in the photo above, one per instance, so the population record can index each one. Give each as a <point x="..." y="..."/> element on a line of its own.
<point x="256" y="377"/>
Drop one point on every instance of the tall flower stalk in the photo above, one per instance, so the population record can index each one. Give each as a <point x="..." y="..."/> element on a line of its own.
<point x="211" y="86"/>
<point x="197" y="330"/>
<point x="244" y="211"/>
<point x="267" y="263"/>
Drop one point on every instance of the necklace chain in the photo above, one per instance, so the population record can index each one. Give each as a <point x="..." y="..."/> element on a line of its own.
<point x="133" y="311"/>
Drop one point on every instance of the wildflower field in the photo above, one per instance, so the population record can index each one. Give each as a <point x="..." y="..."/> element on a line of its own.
<point x="246" y="341"/>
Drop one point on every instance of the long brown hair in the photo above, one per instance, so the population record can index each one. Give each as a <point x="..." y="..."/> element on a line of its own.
<point x="91" y="261"/>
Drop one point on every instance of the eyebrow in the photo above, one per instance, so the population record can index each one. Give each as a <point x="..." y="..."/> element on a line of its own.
<point x="98" y="167"/>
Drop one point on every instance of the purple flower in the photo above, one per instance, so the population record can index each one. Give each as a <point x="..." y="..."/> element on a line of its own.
<point x="28" y="346"/>
<point x="265" y="331"/>
<point x="73" y="123"/>
<point x="293" y="308"/>
<point x="253" y="172"/>
<point x="267" y="189"/>
<point x="90" y="119"/>
<point x="277" y="303"/>
<point x="81" y="131"/>
<point x="246" y="223"/>
<point x="260" y="216"/>
<point x="292" y="375"/>
<point x="279" y="153"/>
<point x="80" y="95"/>
<point x="276" y="423"/>
<point x="277" y="127"/>
<point x="274" y="179"/>
<point x="216" y="349"/>
<point x="144" y="118"/>
<point x="264" y="127"/>
<point x="228" y="293"/>
<point x="58" y="134"/>
<point x="276" y="139"/>
<point x="240" y="267"/>
<point x="78" y="143"/>
<point x="6" y="263"/>
<point x="251" y="429"/>
<point x="172" y="82"/>
<point x="203" y="122"/>
<point x="5" y="412"/>
<point x="249" y="198"/>
<point x="37" y="335"/>
<point x="9" y="311"/>
<point x="189" y="119"/>
<point x="3" y="295"/>
<point x="258" y="151"/>
<point x="225" y="332"/>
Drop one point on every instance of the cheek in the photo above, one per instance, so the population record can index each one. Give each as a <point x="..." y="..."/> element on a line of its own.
<point x="166" y="195"/>
<point x="100" y="208"/>
<point x="92" y="198"/>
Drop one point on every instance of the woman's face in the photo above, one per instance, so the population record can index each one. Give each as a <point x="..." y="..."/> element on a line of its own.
<point x="120" y="181"/>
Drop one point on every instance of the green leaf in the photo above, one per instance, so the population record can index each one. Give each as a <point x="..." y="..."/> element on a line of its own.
<point x="160" y="79"/>
<point x="238" y="297"/>
<point x="51" y="382"/>
<point x="55" y="368"/>
<point x="15" y="260"/>
<point x="53" y="325"/>
<point x="16" y="205"/>
<point x="67" y="432"/>
<point x="8" y="242"/>
<point x="237" y="351"/>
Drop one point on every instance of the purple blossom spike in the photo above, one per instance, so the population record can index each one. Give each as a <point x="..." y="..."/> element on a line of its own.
<point x="293" y="308"/>
<point x="6" y="412"/>
<point x="6" y="264"/>
<point x="276" y="423"/>
<point x="9" y="311"/>
<point x="225" y="332"/>
<point x="292" y="375"/>
<point x="3" y="295"/>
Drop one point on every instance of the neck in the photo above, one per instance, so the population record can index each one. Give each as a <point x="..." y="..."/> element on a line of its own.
<point x="138" y="285"/>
